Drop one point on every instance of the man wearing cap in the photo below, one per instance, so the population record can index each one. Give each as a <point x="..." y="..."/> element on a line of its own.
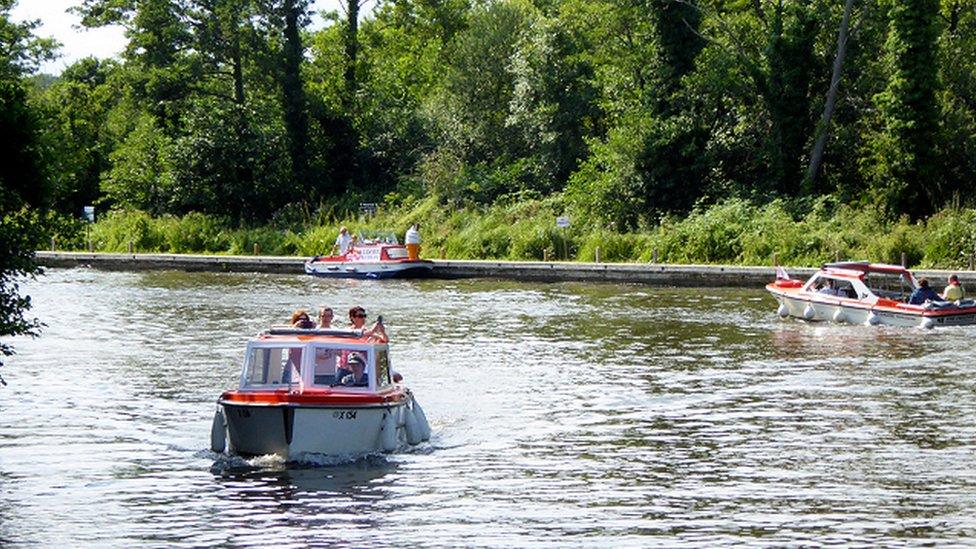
<point x="356" y="368"/>
<point x="954" y="291"/>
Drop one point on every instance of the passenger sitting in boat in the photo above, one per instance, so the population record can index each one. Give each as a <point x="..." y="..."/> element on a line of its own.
<point x="357" y="372"/>
<point x="357" y="317"/>
<point x="325" y="317"/>
<point x="300" y="319"/>
<point x="829" y="289"/>
<point x="923" y="293"/>
<point x="954" y="291"/>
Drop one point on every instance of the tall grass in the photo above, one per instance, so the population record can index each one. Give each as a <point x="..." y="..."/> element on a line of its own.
<point x="734" y="231"/>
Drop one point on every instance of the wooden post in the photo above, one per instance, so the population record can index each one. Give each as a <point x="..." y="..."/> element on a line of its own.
<point x="130" y="246"/>
<point x="91" y="246"/>
<point x="837" y="257"/>
<point x="257" y="249"/>
<point x="545" y="254"/>
<point x="904" y="259"/>
<point x="654" y="256"/>
<point x="971" y="258"/>
<point x="775" y="259"/>
<point x="597" y="254"/>
<point x="54" y="248"/>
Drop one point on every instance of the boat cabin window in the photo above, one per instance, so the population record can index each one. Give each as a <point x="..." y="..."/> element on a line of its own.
<point x="331" y="366"/>
<point x="326" y="361"/>
<point x="396" y="253"/>
<point x="382" y="368"/>
<point x="889" y="285"/>
<point x="273" y="366"/>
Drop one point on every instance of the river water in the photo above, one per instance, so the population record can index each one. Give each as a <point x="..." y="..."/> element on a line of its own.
<point x="563" y="415"/>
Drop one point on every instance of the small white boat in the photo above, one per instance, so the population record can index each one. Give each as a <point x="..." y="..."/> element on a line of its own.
<point x="372" y="256"/>
<point x="859" y="292"/>
<point x="295" y="398"/>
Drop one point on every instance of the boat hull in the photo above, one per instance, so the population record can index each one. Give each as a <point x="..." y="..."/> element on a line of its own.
<point x="292" y="430"/>
<point x="806" y="308"/>
<point x="370" y="269"/>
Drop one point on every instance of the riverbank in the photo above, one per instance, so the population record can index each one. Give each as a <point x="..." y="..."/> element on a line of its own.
<point x="655" y="274"/>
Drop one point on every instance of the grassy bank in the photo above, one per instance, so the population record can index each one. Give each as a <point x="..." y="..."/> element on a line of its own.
<point x="731" y="232"/>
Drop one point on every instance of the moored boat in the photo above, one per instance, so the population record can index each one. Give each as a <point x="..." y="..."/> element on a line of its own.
<point x="372" y="256"/>
<point x="859" y="292"/>
<point x="329" y="392"/>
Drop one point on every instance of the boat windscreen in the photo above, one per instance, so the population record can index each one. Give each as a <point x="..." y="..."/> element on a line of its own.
<point x="889" y="285"/>
<point x="273" y="366"/>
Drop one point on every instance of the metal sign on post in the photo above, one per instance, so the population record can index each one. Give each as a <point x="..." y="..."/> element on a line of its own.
<point x="368" y="208"/>
<point x="90" y="213"/>
<point x="562" y="222"/>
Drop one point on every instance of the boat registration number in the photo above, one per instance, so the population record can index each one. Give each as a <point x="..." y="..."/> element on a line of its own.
<point x="344" y="414"/>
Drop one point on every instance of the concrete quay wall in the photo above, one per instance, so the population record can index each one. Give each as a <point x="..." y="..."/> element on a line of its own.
<point x="652" y="274"/>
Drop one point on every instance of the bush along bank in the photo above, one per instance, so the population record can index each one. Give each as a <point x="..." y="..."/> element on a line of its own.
<point x="733" y="232"/>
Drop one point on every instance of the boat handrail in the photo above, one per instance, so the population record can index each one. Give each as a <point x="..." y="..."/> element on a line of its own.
<point x="334" y="332"/>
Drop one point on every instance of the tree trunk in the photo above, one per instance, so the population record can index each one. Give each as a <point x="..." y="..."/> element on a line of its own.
<point x="352" y="47"/>
<point x="296" y="117"/>
<point x="816" y="157"/>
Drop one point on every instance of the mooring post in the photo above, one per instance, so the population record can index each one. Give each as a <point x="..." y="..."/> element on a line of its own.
<point x="904" y="259"/>
<point x="775" y="259"/>
<point x="91" y="246"/>
<point x="654" y="256"/>
<point x="971" y="258"/>
<point x="597" y="254"/>
<point x="257" y="249"/>
<point x="130" y="247"/>
<point x="54" y="248"/>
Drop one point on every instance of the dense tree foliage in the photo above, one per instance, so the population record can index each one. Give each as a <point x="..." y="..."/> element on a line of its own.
<point x="24" y="182"/>
<point x="630" y="110"/>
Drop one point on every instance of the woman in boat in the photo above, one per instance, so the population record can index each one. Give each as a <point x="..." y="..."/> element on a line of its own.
<point x="300" y="319"/>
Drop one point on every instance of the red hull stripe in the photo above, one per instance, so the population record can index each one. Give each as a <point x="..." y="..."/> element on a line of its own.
<point x="312" y="398"/>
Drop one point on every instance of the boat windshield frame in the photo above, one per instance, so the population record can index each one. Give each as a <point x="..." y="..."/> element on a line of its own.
<point x="304" y="377"/>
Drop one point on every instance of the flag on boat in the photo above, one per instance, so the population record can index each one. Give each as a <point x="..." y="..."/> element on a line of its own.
<point x="781" y="273"/>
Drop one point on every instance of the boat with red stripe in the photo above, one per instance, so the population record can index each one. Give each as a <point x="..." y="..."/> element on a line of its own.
<point x="317" y="391"/>
<point x="859" y="292"/>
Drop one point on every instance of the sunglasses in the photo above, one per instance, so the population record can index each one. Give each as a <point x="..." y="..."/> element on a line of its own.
<point x="359" y="316"/>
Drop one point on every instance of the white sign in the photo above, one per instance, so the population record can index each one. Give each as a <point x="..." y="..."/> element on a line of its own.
<point x="90" y="213"/>
<point x="562" y="222"/>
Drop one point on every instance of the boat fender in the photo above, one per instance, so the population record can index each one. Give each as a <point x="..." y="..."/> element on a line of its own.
<point x="388" y="434"/>
<point x="873" y="319"/>
<point x="809" y="313"/>
<point x="218" y="433"/>
<point x="839" y="316"/>
<point x="927" y="323"/>
<point x="783" y="310"/>
<point x="421" y="418"/>
<point x="414" y="434"/>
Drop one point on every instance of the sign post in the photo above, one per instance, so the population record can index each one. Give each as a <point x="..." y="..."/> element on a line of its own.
<point x="563" y="223"/>
<point x="89" y="216"/>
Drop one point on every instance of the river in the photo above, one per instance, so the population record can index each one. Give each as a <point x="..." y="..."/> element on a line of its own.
<point x="563" y="415"/>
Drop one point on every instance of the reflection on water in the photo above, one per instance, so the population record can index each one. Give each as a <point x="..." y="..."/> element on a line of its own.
<point x="563" y="415"/>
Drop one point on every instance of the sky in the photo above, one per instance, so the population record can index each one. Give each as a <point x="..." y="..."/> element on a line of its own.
<point x="77" y="42"/>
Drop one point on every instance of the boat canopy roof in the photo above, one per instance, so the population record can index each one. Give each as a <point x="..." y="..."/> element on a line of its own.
<point x="867" y="267"/>
<point x="377" y="237"/>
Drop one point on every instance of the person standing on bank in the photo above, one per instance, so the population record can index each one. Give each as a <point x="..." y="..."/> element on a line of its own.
<point x="412" y="240"/>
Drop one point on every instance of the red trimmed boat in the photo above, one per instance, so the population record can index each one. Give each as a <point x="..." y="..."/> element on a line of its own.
<point x="377" y="255"/>
<point x="328" y="392"/>
<point x="859" y="292"/>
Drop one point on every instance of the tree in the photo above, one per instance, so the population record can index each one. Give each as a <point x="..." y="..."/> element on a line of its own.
<point x="23" y="182"/>
<point x="902" y="167"/>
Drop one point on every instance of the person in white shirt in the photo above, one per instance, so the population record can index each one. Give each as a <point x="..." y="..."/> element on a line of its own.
<point x="343" y="242"/>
